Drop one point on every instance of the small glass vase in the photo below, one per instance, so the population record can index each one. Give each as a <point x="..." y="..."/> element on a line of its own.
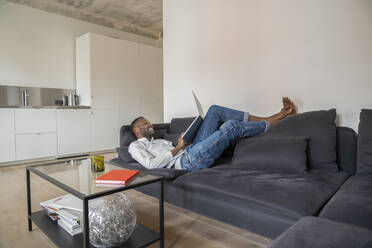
<point x="97" y="163"/>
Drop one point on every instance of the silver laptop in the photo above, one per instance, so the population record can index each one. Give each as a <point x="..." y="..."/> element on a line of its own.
<point x="191" y="131"/>
<point x="198" y="105"/>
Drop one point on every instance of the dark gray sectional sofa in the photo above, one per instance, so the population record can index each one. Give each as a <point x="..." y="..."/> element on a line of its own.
<point x="353" y="202"/>
<point x="349" y="211"/>
<point x="313" y="232"/>
<point x="267" y="183"/>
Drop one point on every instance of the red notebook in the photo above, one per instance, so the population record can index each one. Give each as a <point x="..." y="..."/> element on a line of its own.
<point x="117" y="177"/>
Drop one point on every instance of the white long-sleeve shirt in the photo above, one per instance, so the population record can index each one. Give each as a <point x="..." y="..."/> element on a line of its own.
<point x="155" y="153"/>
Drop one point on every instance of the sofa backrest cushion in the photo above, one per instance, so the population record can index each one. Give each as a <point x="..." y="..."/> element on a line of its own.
<point x="178" y="125"/>
<point x="346" y="149"/>
<point x="364" y="159"/>
<point x="272" y="153"/>
<point x="320" y="128"/>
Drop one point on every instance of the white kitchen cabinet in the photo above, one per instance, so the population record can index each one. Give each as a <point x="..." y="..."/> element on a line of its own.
<point x="38" y="145"/>
<point x="35" y="133"/>
<point x="130" y="84"/>
<point x="105" y="72"/>
<point x="142" y="85"/>
<point x="98" y="70"/>
<point x="28" y="121"/>
<point x="73" y="131"/>
<point x="118" y="74"/>
<point x="105" y="129"/>
<point x="151" y="83"/>
<point x="83" y="69"/>
<point x="7" y="135"/>
<point x="120" y="80"/>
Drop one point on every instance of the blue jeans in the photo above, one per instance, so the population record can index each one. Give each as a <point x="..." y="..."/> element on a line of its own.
<point x="211" y="140"/>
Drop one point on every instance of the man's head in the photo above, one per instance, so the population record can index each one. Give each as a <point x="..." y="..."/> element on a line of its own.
<point x="142" y="128"/>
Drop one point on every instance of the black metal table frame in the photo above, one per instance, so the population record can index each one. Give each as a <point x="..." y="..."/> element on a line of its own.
<point x="90" y="197"/>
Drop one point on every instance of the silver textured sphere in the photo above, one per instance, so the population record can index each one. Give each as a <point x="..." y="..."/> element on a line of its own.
<point x="112" y="220"/>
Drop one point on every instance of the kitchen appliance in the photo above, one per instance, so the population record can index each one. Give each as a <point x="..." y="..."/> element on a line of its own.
<point x="71" y="100"/>
<point x="65" y="100"/>
<point x="77" y="100"/>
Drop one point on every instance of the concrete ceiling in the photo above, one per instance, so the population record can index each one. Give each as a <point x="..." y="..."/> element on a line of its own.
<point x="142" y="17"/>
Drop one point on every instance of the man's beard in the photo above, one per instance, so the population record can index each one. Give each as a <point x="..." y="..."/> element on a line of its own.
<point x="148" y="132"/>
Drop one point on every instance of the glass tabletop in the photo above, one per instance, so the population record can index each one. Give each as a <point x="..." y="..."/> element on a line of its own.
<point x="77" y="175"/>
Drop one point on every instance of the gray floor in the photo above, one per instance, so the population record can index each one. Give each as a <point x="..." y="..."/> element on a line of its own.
<point x="182" y="227"/>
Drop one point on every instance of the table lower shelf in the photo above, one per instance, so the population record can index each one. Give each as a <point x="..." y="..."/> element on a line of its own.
<point x="141" y="237"/>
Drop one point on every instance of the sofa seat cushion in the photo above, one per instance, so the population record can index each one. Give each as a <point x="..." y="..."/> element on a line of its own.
<point x="310" y="232"/>
<point x="163" y="172"/>
<point x="352" y="203"/>
<point x="294" y="194"/>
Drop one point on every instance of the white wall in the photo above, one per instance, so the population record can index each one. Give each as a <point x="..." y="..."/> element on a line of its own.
<point x="246" y="54"/>
<point x="37" y="48"/>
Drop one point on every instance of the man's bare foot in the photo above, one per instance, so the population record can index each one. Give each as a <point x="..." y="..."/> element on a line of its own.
<point x="288" y="104"/>
<point x="284" y="112"/>
<point x="289" y="108"/>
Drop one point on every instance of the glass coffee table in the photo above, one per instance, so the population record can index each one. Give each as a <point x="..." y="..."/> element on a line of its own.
<point x="76" y="178"/>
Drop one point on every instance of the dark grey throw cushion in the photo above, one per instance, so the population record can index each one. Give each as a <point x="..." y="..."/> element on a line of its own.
<point x="125" y="155"/>
<point x="365" y="142"/>
<point x="272" y="153"/>
<point x="320" y="128"/>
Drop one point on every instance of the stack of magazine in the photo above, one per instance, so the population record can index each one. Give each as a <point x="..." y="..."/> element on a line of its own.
<point x="67" y="211"/>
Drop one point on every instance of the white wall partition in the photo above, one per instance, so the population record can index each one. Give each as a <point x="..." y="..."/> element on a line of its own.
<point x="247" y="54"/>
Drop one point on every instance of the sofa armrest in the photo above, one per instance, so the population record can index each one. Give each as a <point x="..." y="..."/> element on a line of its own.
<point x="126" y="135"/>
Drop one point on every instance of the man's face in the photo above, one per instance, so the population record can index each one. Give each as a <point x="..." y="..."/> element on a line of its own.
<point x="145" y="128"/>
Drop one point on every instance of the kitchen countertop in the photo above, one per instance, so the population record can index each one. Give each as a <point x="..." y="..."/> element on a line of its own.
<point x="46" y="107"/>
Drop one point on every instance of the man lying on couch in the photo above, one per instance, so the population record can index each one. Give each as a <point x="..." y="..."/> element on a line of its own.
<point x="209" y="143"/>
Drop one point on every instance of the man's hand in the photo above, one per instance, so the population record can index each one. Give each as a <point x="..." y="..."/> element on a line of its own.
<point x="181" y="144"/>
